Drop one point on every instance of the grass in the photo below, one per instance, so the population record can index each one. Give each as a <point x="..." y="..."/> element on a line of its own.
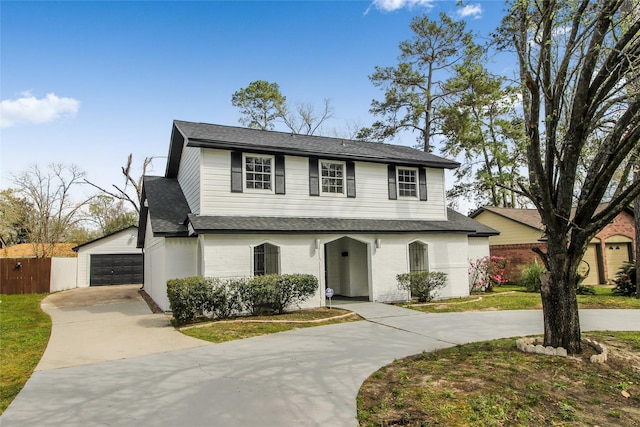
<point x="252" y="326"/>
<point x="25" y="330"/>
<point x="493" y="384"/>
<point x="515" y="298"/>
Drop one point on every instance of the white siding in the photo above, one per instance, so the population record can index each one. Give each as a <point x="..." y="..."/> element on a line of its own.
<point x="189" y="177"/>
<point x="478" y="249"/>
<point x="227" y="256"/>
<point x="371" y="201"/>
<point x="168" y="258"/>
<point x="123" y="242"/>
<point x="446" y="253"/>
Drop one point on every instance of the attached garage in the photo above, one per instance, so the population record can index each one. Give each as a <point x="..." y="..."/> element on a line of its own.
<point x="115" y="269"/>
<point x="111" y="260"/>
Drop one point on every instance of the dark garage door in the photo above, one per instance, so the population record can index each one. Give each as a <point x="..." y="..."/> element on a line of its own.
<point x="116" y="269"/>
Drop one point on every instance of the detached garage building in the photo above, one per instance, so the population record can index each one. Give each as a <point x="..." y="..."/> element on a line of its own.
<point x="111" y="260"/>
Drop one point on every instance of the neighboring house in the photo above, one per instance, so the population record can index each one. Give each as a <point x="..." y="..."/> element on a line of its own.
<point x="28" y="250"/>
<point x="238" y="202"/>
<point x="113" y="259"/>
<point x="521" y="230"/>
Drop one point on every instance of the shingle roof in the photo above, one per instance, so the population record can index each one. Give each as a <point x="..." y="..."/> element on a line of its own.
<point x="27" y="250"/>
<point x="229" y="137"/>
<point x="456" y="223"/>
<point x="529" y="217"/>
<point x="168" y="207"/>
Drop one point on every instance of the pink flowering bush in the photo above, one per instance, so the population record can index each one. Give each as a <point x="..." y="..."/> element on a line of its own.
<point x="487" y="272"/>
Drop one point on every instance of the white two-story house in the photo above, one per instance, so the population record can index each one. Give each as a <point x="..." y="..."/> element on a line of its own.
<point x="238" y="202"/>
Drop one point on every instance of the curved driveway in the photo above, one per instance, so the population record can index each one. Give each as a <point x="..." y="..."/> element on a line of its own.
<point x="307" y="377"/>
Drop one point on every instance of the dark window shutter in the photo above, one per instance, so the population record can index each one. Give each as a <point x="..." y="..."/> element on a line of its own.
<point x="351" y="179"/>
<point x="314" y="179"/>
<point x="280" y="182"/>
<point x="236" y="172"/>
<point x="393" y="189"/>
<point x="422" y="183"/>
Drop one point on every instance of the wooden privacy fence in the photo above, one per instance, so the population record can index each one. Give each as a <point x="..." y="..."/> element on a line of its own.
<point x="24" y="275"/>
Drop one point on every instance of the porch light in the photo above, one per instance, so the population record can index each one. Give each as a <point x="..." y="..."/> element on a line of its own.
<point x="317" y="244"/>
<point x="378" y="243"/>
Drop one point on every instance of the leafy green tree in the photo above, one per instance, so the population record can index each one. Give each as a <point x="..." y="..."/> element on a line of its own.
<point x="480" y="124"/>
<point x="413" y="90"/>
<point x="577" y="60"/>
<point x="110" y="214"/>
<point x="14" y="212"/>
<point x="260" y="103"/>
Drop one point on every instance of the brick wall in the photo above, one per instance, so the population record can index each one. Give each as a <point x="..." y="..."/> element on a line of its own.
<point x="519" y="256"/>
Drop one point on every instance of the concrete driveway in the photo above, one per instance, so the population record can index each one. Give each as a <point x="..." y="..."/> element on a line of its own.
<point x="97" y="324"/>
<point x="307" y="377"/>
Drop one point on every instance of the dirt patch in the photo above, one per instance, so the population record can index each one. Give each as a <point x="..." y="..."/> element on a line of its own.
<point x="93" y="295"/>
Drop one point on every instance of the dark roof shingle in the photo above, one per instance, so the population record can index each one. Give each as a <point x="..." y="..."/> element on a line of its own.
<point x="229" y="137"/>
<point x="456" y="223"/>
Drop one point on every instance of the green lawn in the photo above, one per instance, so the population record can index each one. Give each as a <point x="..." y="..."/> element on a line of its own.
<point x="252" y="326"/>
<point x="514" y="298"/>
<point x="24" y="331"/>
<point x="493" y="384"/>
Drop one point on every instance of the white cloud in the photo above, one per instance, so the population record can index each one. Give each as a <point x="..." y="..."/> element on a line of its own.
<point x="470" y="10"/>
<point x="392" y="5"/>
<point x="30" y="110"/>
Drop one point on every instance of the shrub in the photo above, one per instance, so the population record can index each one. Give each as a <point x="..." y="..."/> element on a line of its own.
<point x="530" y="276"/>
<point x="626" y="280"/>
<point x="189" y="297"/>
<point x="294" y="289"/>
<point x="225" y="297"/>
<point x="258" y="294"/>
<point x="487" y="272"/>
<point x="422" y="284"/>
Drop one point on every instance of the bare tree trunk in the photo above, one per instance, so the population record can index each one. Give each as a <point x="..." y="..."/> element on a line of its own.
<point x="636" y="214"/>
<point x="560" y="302"/>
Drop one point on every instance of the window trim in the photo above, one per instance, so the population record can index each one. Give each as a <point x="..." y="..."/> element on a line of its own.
<point x="343" y="178"/>
<point x="415" y="183"/>
<point x="271" y="173"/>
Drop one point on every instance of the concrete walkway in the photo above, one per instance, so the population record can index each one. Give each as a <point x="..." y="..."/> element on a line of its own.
<point x="307" y="377"/>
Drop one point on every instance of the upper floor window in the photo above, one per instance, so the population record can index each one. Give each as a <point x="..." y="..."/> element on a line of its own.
<point x="258" y="172"/>
<point x="332" y="177"/>
<point x="407" y="182"/>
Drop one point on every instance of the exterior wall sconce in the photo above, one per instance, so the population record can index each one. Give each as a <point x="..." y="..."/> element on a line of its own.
<point x="378" y="243"/>
<point x="317" y="244"/>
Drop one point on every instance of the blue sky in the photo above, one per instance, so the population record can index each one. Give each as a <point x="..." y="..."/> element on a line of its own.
<point x="89" y="82"/>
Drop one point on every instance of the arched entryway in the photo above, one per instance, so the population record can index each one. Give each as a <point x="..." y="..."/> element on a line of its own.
<point x="347" y="267"/>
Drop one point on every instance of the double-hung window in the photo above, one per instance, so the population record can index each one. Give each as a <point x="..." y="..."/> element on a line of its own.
<point x="258" y="172"/>
<point x="408" y="182"/>
<point x="332" y="174"/>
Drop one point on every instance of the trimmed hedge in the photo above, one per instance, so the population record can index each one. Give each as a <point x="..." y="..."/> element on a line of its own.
<point x="422" y="284"/>
<point x="194" y="297"/>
